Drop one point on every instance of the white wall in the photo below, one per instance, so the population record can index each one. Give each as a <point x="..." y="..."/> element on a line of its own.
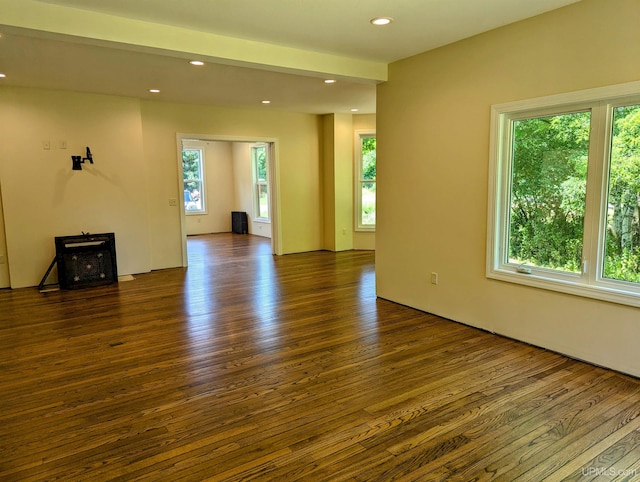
<point x="43" y="198"/>
<point x="433" y="156"/>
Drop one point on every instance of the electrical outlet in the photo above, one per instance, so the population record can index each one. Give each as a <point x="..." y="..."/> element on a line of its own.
<point x="46" y="145"/>
<point x="173" y="201"/>
<point x="434" y="278"/>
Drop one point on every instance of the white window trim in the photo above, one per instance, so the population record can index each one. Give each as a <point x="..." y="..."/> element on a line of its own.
<point x="358" y="226"/>
<point x="256" y="183"/>
<point x="590" y="283"/>
<point x="198" y="146"/>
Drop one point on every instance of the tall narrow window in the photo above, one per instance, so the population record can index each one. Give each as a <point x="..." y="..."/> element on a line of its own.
<point x="194" y="186"/>
<point x="565" y="194"/>
<point x="366" y="182"/>
<point x="260" y="163"/>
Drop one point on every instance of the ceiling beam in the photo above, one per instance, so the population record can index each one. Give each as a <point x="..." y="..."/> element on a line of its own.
<point x="126" y="33"/>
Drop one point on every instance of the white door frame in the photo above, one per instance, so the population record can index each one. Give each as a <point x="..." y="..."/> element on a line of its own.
<point x="273" y="184"/>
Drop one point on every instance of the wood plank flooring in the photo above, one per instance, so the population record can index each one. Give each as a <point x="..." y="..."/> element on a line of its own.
<point x="247" y="366"/>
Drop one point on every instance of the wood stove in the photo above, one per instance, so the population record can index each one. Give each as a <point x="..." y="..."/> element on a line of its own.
<point x="86" y="260"/>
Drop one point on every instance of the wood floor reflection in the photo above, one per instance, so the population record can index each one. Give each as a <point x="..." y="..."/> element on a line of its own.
<point x="250" y="366"/>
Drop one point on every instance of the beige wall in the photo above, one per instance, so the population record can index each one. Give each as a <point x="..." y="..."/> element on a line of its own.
<point x="243" y="183"/>
<point x="4" y="265"/>
<point x="338" y="181"/>
<point x="135" y="174"/>
<point x="43" y="198"/>
<point x="433" y="149"/>
<point x="228" y="187"/>
<point x="297" y="164"/>
<point x="328" y="183"/>
<point x="343" y="165"/>
<point x="243" y="191"/>
<point x="219" y="189"/>
<point x="339" y="157"/>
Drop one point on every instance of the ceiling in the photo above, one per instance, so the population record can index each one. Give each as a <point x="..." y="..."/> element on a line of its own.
<point x="254" y="50"/>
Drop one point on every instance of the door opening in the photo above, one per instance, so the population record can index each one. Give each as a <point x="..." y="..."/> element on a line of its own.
<point x="219" y="175"/>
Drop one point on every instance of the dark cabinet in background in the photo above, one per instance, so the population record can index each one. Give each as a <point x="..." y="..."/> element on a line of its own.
<point x="239" y="223"/>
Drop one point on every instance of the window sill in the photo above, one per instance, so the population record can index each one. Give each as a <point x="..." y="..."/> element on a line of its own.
<point x="262" y="220"/>
<point x="567" y="286"/>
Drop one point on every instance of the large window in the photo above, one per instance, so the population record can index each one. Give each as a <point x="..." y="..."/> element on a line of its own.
<point x="565" y="193"/>
<point x="193" y="175"/>
<point x="260" y="164"/>
<point x="365" y="206"/>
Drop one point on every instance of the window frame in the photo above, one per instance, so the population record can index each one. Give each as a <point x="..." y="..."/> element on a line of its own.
<point x="257" y="183"/>
<point x="590" y="282"/>
<point x="202" y="180"/>
<point x="359" y="181"/>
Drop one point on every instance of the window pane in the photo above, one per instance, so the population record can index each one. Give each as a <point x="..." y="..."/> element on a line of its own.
<point x="368" y="215"/>
<point x="261" y="163"/>
<point x="192" y="196"/>
<point x="622" y="243"/>
<point x="193" y="182"/>
<point x="548" y="189"/>
<point x="368" y="158"/>
<point x="263" y="201"/>
<point x="366" y="182"/>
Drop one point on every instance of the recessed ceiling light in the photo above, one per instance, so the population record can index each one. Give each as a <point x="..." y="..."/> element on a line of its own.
<point x="354" y="110"/>
<point x="154" y="91"/>
<point x="196" y="62"/>
<point x="266" y="102"/>
<point x="2" y="76"/>
<point x="381" y="20"/>
<point x="330" y="81"/>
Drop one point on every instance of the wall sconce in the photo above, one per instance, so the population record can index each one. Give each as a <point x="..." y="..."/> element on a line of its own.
<point x="77" y="161"/>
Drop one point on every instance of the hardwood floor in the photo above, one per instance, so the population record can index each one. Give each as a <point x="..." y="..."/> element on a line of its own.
<point x="247" y="366"/>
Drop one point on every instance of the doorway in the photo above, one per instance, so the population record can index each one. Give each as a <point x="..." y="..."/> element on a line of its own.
<point x="231" y="179"/>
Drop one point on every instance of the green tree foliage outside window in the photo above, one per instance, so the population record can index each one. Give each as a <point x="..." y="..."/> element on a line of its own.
<point x="193" y="182"/>
<point x="259" y="155"/>
<point x="368" y="182"/>
<point x="622" y="246"/>
<point x="549" y="189"/>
